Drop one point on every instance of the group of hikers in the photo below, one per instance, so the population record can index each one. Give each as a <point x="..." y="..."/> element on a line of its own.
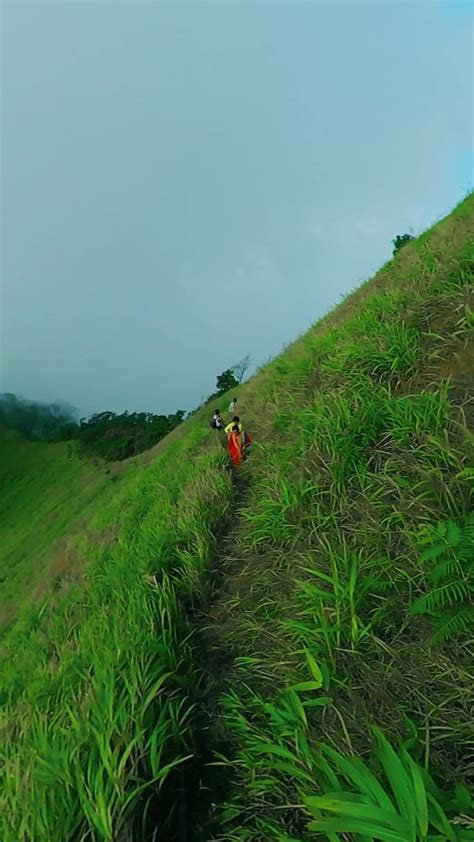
<point x="238" y="441"/>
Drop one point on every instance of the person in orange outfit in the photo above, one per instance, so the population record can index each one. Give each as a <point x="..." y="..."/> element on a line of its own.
<point x="238" y="444"/>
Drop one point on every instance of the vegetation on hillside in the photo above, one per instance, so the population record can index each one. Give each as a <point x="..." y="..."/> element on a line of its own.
<point x="230" y="379"/>
<point x="114" y="437"/>
<point x="225" y="383"/>
<point x="110" y="436"/>
<point x="286" y="653"/>
<point x="400" y="241"/>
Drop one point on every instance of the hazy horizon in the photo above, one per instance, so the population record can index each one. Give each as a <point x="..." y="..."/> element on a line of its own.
<point x="186" y="183"/>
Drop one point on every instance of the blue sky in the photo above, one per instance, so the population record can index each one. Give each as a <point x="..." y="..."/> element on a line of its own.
<point x="184" y="183"/>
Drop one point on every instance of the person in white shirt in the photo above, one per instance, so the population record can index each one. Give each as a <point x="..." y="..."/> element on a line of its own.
<point x="217" y="421"/>
<point x="232" y="404"/>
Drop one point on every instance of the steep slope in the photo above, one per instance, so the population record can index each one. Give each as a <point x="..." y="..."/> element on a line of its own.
<point x="346" y="601"/>
<point x="264" y="620"/>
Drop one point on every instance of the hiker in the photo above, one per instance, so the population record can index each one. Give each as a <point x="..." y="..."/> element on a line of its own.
<point x="235" y="422"/>
<point x="246" y="443"/>
<point x="217" y="422"/>
<point x="232" y="405"/>
<point x="238" y="444"/>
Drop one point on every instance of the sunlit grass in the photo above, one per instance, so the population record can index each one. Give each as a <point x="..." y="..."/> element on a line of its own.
<point x="380" y="456"/>
<point x="100" y="711"/>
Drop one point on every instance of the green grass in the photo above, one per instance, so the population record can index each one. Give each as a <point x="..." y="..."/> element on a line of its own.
<point x="43" y="494"/>
<point x="306" y="628"/>
<point x="97" y="681"/>
<point x="363" y="479"/>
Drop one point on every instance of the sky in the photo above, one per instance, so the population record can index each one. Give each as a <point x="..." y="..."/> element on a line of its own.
<point x="185" y="183"/>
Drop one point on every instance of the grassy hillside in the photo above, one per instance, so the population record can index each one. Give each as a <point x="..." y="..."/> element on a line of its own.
<point x="286" y="652"/>
<point x="42" y="493"/>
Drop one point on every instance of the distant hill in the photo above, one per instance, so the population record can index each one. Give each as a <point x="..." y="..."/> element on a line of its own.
<point x="37" y="421"/>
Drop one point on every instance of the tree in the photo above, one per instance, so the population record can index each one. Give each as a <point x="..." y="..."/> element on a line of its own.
<point x="400" y="241"/>
<point x="240" y="369"/>
<point x="226" y="381"/>
<point x="114" y="437"/>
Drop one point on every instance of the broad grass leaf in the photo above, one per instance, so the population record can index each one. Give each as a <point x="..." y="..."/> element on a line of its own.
<point x="438" y="818"/>
<point x="463" y="798"/>
<point x="419" y="792"/>
<point x="359" y="827"/>
<point x="355" y="770"/>
<point x="321" y="701"/>
<point x="399" y="782"/>
<point x="342" y="805"/>
<point x="304" y="686"/>
<point x="315" y="670"/>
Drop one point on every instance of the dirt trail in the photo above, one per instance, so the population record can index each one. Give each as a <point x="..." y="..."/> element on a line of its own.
<point x="237" y="580"/>
<point x="202" y="785"/>
<point x="198" y="786"/>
